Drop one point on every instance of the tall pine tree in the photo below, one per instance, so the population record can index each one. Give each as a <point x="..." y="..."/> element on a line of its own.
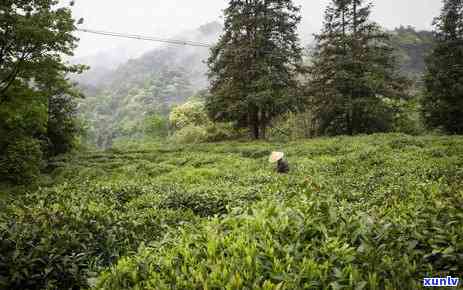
<point x="353" y="71"/>
<point x="443" y="99"/>
<point x="252" y="68"/>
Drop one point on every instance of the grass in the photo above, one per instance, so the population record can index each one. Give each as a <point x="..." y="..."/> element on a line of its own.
<point x="367" y="212"/>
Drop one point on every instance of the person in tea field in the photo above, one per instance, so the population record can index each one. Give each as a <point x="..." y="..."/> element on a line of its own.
<point x="282" y="165"/>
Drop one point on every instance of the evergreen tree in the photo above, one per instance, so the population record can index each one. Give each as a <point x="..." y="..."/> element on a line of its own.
<point x="443" y="99"/>
<point x="353" y="70"/>
<point x="252" y="68"/>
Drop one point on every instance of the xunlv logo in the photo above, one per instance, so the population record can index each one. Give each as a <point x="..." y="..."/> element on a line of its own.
<point x="440" y="282"/>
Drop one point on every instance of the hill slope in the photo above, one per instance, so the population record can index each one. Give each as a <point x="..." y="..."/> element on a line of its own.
<point x="119" y="100"/>
<point x="379" y="211"/>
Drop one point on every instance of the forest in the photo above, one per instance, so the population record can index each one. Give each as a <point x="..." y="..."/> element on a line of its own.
<point x="155" y="173"/>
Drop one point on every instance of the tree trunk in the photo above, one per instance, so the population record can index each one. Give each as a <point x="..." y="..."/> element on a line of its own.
<point x="255" y="130"/>
<point x="262" y="120"/>
<point x="263" y="130"/>
<point x="253" y="121"/>
<point x="350" y="113"/>
<point x="354" y="56"/>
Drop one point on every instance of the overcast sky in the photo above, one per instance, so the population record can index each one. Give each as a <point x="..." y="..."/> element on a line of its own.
<point x="167" y="18"/>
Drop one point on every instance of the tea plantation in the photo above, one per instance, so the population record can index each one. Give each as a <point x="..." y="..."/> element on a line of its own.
<point x="370" y="212"/>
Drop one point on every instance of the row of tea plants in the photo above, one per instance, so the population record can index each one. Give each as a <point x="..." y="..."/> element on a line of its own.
<point x="369" y="212"/>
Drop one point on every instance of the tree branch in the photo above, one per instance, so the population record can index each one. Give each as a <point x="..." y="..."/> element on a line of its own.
<point x="11" y="78"/>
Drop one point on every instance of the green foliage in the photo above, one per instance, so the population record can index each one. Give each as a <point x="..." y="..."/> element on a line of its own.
<point x="354" y="67"/>
<point x="223" y="131"/>
<point x="35" y="94"/>
<point x="377" y="211"/>
<point x="443" y="98"/>
<point x="201" y="204"/>
<point x="373" y="212"/>
<point x="26" y="114"/>
<point x="58" y="238"/>
<point x="62" y="127"/>
<point x="293" y="126"/>
<point x="21" y="160"/>
<point x="36" y="35"/>
<point x="191" y="113"/>
<point x="134" y="109"/>
<point x="190" y="134"/>
<point x="156" y="126"/>
<point x="120" y="102"/>
<point x="407" y="116"/>
<point x="253" y="67"/>
<point x="192" y="125"/>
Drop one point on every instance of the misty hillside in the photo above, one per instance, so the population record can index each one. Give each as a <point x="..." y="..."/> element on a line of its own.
<point x="119" y="99"/>
<point x="413" y="47"/>
<point x="102" y="65"/>
<point x="121" y="72"/>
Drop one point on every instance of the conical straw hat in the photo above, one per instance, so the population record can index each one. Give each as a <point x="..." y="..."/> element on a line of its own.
<point x="275" y="156"/>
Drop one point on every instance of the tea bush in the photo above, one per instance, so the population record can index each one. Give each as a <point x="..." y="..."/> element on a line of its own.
<point x="55" y="239"/>
<point x="366" y="212"/>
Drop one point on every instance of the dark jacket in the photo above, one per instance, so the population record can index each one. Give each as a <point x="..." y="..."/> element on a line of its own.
<point x="282" y="166"/>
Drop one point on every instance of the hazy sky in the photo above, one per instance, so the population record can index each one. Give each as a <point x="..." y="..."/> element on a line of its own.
<point x="167" y="18"/>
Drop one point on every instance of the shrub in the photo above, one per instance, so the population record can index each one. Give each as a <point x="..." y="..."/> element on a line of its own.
<point x="192" y="125"/>
<point x="190" y="134"/>
<point x="278" y="247"/>
<point x="56" y="239"/>
<point x="222" y="131"/>
<point x="372" y="116"/>
<point x="293" y="126"/>
<point x="191" y="113"/>
<point x="156" y="126"/>
<point x="407" y="116"/>
<point x="21" y="162"/>
<point x="370" y="212"/>
<point x="200" y="204"/>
